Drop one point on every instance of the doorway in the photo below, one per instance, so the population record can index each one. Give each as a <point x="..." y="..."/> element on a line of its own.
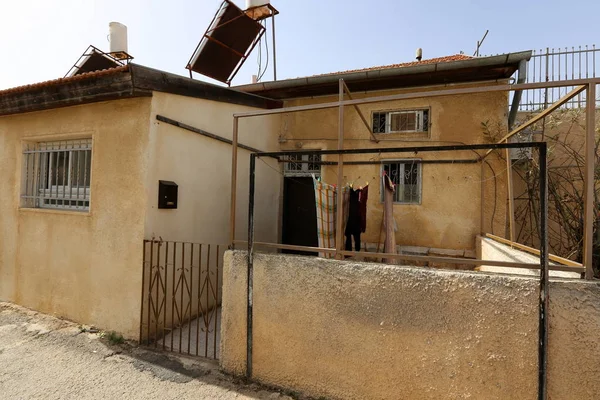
<point x="299" y="214"/>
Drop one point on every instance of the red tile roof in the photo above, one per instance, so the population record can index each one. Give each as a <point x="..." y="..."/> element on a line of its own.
<point x="455" y="57"/>
<point x="75" y="78"/>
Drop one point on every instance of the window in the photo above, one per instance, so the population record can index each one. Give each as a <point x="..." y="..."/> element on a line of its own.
<point x="303" y="165"/>
<point x="401" y="121"/>
<point x="57" y="174"/>
<point x="406" y="176"/>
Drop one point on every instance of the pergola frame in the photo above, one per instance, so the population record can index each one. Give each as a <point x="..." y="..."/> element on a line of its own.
<point x="589" y="85"/>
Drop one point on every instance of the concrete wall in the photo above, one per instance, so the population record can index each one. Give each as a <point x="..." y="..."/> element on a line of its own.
<point x="369" y="331"/>
<point x="85" y="266"/>
<point x="449" y="215"/>
<point x="202" y="169"/>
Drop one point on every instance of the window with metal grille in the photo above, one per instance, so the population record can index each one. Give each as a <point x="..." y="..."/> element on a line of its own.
<point x="401" y="121"/>
<point x="406" y="176"/>
<point x="57" y="174"/>
<point x="303" y="165"/>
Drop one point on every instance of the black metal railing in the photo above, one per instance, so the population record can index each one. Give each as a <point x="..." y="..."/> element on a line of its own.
<point x="181" y="297"/>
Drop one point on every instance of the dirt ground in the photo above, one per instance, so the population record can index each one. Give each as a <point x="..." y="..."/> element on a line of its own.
<point x="42" y="357"/>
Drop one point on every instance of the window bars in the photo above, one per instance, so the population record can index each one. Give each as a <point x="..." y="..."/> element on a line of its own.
<point x="406" y="176"/>
<point x="57" y="174"/>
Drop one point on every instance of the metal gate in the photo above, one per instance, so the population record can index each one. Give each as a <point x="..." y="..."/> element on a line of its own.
<point x="181" y="297"/>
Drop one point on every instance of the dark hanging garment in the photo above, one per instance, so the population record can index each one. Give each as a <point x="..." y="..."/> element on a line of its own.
<point x="353" y="226"/>
<point x="362" y="200"/>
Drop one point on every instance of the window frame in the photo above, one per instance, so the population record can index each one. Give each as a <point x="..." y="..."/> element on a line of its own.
<point x="419" y="179"/>
<point x="304" y="166"/>
<point x="420" y="111"/>
<point x="38" y="172"/>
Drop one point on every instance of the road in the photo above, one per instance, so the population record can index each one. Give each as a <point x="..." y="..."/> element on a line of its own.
<point x="42" y="357"/>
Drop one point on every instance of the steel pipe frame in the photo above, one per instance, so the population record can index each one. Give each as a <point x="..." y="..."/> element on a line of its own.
<point x="542" y="146"/>
<point x="544" y="295"/>
<point x="422" y="94"/>
<point x="587" y="83"/>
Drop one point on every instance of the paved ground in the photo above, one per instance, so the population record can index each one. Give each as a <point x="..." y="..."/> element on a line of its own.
<point x="46" y="358"/>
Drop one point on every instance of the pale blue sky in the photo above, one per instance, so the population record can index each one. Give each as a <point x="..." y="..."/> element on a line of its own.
<point x="41" y="39"/>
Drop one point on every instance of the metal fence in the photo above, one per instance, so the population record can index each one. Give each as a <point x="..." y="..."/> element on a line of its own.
<point x="181" y="297"/>
<point x="553" y="64"/>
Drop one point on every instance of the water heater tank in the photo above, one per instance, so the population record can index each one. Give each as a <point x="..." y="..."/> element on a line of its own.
<point x="256" y="3"/>
<point x="117" y="36"/>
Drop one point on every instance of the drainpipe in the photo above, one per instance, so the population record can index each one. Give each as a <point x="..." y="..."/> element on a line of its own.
<point x="514" y="108"/>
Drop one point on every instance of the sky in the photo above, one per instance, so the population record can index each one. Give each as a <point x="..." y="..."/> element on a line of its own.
<point x="41" y="39"/>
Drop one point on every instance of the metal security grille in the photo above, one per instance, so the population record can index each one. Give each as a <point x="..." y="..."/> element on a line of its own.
<point x="406" y="176"/>
<point x="303" y="165"/>
<point x="181" y="297"/>
<point x="57" y="174"/>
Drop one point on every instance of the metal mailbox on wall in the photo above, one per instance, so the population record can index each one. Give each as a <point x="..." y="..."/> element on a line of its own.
<point x="167" y="194"/>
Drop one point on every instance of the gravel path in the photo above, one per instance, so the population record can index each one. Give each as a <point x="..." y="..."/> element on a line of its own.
<point x="42" y="357"/>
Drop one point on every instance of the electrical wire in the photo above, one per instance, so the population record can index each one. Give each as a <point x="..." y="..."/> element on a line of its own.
<point x="267" y="55"/>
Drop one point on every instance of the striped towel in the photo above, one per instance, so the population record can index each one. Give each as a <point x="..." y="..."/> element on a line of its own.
<point x="325" y="198"/>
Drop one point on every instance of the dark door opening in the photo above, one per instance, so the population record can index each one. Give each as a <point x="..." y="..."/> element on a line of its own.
<point x="299" y="214"/>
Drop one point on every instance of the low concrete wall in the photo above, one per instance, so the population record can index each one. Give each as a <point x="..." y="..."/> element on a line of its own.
<point x="489" y="249"/>
<point x="349" y="330"/>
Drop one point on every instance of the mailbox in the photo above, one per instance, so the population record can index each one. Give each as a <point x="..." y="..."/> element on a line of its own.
<point x="167" y="194"/>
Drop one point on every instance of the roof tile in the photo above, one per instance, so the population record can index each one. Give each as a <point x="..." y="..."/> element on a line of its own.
<point x="75" y="78"/>
<point x="455" y="57"/>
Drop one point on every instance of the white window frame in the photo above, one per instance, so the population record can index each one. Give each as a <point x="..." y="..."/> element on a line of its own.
<point x="402" y="162"/>
<point x="39" y="172"/>
<point x="420" y="117"/>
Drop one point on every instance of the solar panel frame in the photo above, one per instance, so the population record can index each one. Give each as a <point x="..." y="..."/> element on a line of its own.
<point x="227" y="43"/>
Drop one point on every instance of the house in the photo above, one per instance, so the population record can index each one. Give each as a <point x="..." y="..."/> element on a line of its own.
<point x="82" y="160"/>
<point x="438" y="206"/>
<point x="96" y="163"/>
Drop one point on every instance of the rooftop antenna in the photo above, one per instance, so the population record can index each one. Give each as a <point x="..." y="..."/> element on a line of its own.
<point x="479" y="43"/>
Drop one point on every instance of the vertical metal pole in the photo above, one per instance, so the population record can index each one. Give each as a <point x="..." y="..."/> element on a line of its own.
<point x="250" y="267"/>
<point x="165" y="294"/>
<point x="234" y="150"/>
<point x="544" y="296"/>
<point x="511" y="198"/>
<point x="339" y="235"/>
<point x="588" y="222"/>
<point x="482" y="213"/>
<point x="274" y="49"/>
<point x="143" y="284"/>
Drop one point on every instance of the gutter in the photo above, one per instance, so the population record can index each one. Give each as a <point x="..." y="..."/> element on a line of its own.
<point x="514" y="108"/>
<point x="499" y="60"/>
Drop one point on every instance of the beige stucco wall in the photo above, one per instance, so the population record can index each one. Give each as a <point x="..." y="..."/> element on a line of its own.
<point x="85" y="266"/>
<point x="449" y="215"/>
<point x="202" y="168"/>
<point x="347" y="330"/>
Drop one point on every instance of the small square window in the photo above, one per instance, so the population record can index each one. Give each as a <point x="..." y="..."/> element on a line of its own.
<point x="407" y="121"/>
<point x="57" y="174"/>
<point x="406" y="176"/>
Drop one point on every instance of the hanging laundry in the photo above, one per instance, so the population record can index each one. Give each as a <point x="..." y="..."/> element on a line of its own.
<point x="364" y="196"/>
<point x="325" y="199"/>
<point x="354" y="222"/>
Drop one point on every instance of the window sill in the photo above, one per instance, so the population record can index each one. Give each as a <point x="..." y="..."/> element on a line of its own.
<point x="57" y="212"/>
<point x="403" y="136"/>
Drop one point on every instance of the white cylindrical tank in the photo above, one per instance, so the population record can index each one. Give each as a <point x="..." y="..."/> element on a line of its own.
<point x="256" y="3"/>
<point x="117" y="36"/>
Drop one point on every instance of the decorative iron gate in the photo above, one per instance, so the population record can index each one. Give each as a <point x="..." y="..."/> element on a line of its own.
<point x="181" y="297"/>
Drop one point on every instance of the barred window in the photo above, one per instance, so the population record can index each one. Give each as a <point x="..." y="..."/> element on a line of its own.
<point x="401" y="121"/>
<point x="57" y="174"/>
<point x="303" y="165"/>
<point x="406" y="176"/>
